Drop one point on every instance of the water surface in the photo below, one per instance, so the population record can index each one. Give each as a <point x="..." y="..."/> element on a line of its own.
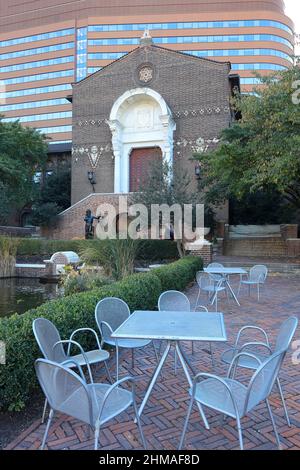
<point x="18" y="295"/>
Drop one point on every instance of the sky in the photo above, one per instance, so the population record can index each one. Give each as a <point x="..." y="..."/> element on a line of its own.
<point x="293" y="11"/>
<point x="292" y="8"/>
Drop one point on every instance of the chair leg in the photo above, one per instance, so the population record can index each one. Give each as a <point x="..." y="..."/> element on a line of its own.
<point x="44" y="411"/>
<point x="117" y="362"/>
<point x="138" y="420"/>
<point x="249" y="289"/>
<point x="51" y="414"/>
<point x="273" y="424"/>
<point x="175" y="362"/>
<point x="198" y="296"/>
<point x="258" y="291"/>
<point x="283" y="402"/>
<point x="97" y="432"/>
<point x="240" y="433"/>
<point x="155" y="352"/>
<point x="186" y="423"/>
<point x="238" y="293"/>
<point x="227" y="295"/>
<point x="108" y="373"/>
<point x="212" y="356"/>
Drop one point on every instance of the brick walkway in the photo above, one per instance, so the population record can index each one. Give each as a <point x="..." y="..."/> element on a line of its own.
<point x="164" y="414"/>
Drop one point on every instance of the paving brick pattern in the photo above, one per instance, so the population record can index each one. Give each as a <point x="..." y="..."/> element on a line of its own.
<point x="165" y="412"/>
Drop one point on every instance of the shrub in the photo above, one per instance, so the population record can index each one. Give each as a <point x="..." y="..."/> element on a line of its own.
<point x="116" y="256"/>
<point x="8" y="250"/>
<point x="74" y="281"/>
<point x="178" y="275"/>
<point x="140" y="291"/>
<point x="151" y="250"/>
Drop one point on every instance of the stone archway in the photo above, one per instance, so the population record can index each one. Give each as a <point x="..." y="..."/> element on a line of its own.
<point x="140" y="118"/>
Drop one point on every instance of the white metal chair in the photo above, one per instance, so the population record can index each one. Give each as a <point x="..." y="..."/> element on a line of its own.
<point x="176" y="301"/>
<point x="208" y="284"/>
<point x="110" y="313"/>
<point x="283" y="341"/>
<point x="173" y="300"/>
<point x="51" y="346"/>
<point x="93" y="404"/>
<point x="232" y="398"/>
<point x="205" y="309"/>
<point x="257" y="277"/>
<point x="216" y="277"/>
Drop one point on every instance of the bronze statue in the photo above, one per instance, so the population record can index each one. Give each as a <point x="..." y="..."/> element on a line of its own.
<point x="89" y="228"/>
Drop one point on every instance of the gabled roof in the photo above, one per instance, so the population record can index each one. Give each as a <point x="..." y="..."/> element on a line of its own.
<point x="160" y="48"/>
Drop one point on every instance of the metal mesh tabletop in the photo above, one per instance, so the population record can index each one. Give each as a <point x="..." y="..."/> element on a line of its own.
<point x="174" y="326"/>
<point x="225" y="271"/>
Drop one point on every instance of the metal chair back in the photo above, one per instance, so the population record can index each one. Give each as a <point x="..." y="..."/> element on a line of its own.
<point x="215" y="277"/>
<point x="65" y="391"/>
<point x="113" y="311"/>
<point x="47" y="335"/>
<point x="175" y="301"/>
<point x="258" y="273"/>
<point x="203" y="280"/>
<point x="286" y="333"/>
<point x="263" y="380"/>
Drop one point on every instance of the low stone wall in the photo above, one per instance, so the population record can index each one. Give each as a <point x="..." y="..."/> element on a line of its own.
<point x="283" y="244"/>
<point x="30" y="270"/>
<point x="71" y="222"/>
<point x="293" y="247"/>
<point x="256" y="247"/>
<point x="18" y="231"/>
<point x="203" y="251"/>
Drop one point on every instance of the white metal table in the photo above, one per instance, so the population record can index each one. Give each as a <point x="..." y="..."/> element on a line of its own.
<point x="226" y="272"/>
<point x="173" y="327"/>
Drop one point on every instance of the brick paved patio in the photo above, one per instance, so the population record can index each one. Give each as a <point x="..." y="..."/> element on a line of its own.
<point x="165" y="412"/>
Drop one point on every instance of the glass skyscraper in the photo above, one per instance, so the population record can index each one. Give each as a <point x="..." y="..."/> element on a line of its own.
<point x="47" y="45"/>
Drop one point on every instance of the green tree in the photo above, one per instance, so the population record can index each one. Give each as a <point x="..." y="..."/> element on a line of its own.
<point x="261" y="151"/>
<point x="53" y="197"/>
<point x="160" y="188"/>
<point x="22" y="151"/>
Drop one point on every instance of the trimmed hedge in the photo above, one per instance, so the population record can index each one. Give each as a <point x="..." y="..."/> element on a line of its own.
<point x="140" y="291"/>
<point x="151" y="250"/>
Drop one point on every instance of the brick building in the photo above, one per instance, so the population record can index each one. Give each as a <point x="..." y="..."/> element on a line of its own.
<point x="151" y="103"/>
<point x="46" y="45"/>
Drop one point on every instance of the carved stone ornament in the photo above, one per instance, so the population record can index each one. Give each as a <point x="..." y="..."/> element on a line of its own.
<point x="146" y="74"/>
<point x="93" y="152"/>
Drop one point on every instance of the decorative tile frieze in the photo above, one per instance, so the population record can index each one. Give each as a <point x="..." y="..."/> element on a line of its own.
<point x="91" y="122"/>
<point x="200" y="145"/>
<point x="185" y="113"/>
<point x="92" y="152"/>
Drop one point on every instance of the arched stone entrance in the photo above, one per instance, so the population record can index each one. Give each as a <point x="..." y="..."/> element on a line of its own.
<point x="139" y="119"/>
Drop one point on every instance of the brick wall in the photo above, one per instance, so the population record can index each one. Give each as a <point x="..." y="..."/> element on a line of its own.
<point x="71" y="223"/>
<point x="196" y="91"/>
<point x="269" y="247"/>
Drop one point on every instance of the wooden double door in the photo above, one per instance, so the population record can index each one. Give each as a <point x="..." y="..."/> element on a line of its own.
<point x="141" y="161"/>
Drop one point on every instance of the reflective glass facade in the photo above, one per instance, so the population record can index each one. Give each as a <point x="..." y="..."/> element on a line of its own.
<point x="40" y="60"/>
<point x="41" y="117"/>
<point x="81" y="54"/>
<point x="33" y="104"/>
<point x="193" y="39"/>
<point x="190" y="25"/>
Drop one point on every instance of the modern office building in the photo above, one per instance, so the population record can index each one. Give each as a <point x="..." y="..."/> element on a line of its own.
<point x="46" y="45"/>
